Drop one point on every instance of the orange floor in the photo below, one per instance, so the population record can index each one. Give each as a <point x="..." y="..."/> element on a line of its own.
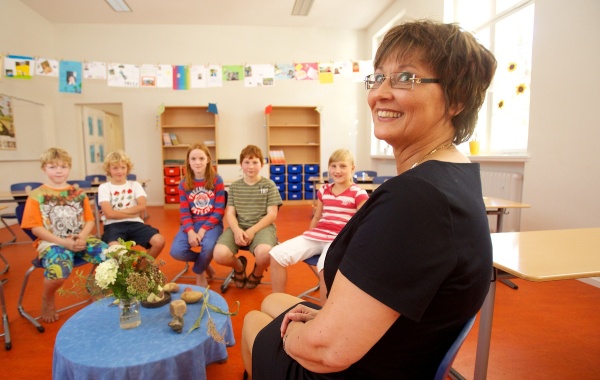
<point x="540" y="331"/>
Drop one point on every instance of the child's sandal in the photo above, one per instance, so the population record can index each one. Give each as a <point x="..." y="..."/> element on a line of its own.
<point x="240" y="282"/>
<point x="253" y="281"/>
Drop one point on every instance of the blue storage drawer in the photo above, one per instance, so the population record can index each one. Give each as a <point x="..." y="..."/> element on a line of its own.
<point x="277" y="169"/>
<point x="294" y="169"/>
<point x="282" y="194"/>
<point x="294" y="186"/>
<point x="308" y="186"/>
<point x="294" y="178"/>
<point x="280" y="187"/>
<point x="294" y="195"/>
<point x="278" y="178"/>
<point x="308" y="195"/>
<point x="311" y="168"/>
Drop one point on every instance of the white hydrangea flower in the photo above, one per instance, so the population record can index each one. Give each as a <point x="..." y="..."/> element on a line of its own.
<point x="106" y="273"/>
<point x="117" y="248"/>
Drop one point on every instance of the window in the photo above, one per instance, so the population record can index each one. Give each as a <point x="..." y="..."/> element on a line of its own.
<point x="506" y="28"/>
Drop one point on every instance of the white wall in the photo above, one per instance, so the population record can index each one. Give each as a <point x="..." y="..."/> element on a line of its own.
<point x="562" y="180"/>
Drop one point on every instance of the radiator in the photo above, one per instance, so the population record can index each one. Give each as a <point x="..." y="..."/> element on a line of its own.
<point x="505" y="185"/>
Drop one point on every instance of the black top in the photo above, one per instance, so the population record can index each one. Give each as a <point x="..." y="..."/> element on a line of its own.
<point x="420" y="245"/>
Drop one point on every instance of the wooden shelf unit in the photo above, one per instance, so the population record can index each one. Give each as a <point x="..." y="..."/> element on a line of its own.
<point x="297" y="132"/>
<point x="190" y="124"/>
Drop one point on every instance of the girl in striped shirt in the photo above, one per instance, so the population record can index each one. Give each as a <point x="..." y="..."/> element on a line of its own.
<point x="337" y="202"/>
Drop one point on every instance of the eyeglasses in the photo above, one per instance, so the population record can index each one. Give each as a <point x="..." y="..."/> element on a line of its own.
<point x="403" y="80"/>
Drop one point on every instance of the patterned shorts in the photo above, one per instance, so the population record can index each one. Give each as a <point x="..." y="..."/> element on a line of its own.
<point x="58" y="261"/>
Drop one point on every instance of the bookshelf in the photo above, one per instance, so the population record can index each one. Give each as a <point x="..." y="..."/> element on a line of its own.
<point x="294" y="133"/>
<point x="182" y="126"/>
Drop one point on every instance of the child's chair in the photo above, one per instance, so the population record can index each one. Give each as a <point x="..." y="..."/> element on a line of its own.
<point x="19" y="191"/>
<point x="312" y="264"/>
<point x="35" y="264"/>
<point x="96" y="179"/>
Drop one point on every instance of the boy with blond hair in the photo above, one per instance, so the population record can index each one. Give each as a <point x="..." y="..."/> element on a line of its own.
<point x="251" y="212"/>
<point x="61" y="217"/>
<point x="123" y="202"/>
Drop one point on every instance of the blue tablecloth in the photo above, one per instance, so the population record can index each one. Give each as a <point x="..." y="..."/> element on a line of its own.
<point x="91" y="345"/>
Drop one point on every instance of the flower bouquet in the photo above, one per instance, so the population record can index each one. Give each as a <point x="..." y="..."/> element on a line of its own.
<point x="129" y="274"/>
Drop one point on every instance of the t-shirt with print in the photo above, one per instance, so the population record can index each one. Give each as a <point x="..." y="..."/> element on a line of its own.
<point x="63" y="212"/>
<point x="121" y="197"/>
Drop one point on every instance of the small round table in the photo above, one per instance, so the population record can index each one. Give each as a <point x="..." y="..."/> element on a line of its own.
<point x="91" y="345"/>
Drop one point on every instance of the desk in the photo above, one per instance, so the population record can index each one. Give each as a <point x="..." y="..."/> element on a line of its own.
<point x="21" y="196"/>
<point x="498" y="206"/>
<point x="92" y="345"/>
<point x="536" y="256"/>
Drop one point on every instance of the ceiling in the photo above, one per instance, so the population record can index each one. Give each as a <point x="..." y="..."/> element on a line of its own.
<point x="342" y="14"/>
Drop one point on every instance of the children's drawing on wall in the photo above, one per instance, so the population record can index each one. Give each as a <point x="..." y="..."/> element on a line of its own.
<point x="94" y="70"/>
<point x="18" y="67"/>
<point x="7" y="128"/>
<point x="233" y="73"/>
<point x="325" y="72"/>
<point x="215" y="78"/>
<point x="198" y="76"/>
<point x="123" y="75"/>
<point x="69" y="78"/>
<point x="46" y="67"/>
<point x="181" y="77"/>
<point x="284" y="71"/>
<point x="148" y="75"/>
<point x="307" y="71"/>
<point x="259" y="75"/>
<point x="164" y="76"/>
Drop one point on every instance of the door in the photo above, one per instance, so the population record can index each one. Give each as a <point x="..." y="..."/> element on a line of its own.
<point x="94" y="139"/>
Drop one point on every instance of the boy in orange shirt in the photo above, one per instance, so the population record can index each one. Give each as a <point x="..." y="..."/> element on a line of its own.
<point x="62" y="219"/>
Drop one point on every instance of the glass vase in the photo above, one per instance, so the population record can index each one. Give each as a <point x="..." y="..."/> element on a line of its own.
<point x="129" y="313"/>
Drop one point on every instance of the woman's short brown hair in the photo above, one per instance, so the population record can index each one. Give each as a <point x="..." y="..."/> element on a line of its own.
<point x="464" y="67"/>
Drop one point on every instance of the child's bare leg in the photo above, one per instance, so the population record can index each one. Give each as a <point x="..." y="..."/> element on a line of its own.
<point x="157" y="243"/>
<point x="49" y="313"/>
<point x="201" y="279"/>
<point x="210" y="273"/>
<point x="278" y="277"/>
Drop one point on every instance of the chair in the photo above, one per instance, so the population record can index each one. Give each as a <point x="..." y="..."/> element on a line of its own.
<point x="312" y="264"/>
<point x="16" y="187"/>
<point x="445" y="367"/>
<point x="381" y="178"/>
<point x="362" y="174"/>
<point x="6" y="333"/>
<point x="95" y="178"/>
<point x="131" y="177"/>
<point x="35" y="264"/>
<point x="80" y="184"/>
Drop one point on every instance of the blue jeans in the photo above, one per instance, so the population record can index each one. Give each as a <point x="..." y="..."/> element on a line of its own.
<point x="181" y="250"/>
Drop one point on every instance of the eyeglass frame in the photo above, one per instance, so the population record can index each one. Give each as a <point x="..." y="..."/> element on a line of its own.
<point x="413" y="80"/>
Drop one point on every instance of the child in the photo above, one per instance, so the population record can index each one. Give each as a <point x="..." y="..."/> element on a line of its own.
<point x="201" y="209"/>
<point x="251" y="212"/>
<point x="337" y="202"/>
<point x="123" y="202"/>
<point x="61" y="217"/>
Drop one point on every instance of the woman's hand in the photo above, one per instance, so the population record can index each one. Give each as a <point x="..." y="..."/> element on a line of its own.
<point x="300" y="313"/>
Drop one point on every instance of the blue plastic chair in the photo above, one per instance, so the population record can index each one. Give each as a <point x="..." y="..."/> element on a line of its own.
<point x="35" y="264"/>
<point x="20" y="186"/>
<point x="312" y="264"/>
<point x="446" y="365"/>
<point x="381" y="178"/>
<point x="95" y="178"/>
<point x="131" y="177"/>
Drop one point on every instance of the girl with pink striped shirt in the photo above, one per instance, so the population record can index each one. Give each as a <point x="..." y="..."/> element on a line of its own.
<point x="337" y="202"/>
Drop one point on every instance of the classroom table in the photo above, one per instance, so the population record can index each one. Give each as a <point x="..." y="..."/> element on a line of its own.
<point x="536" y="256"/>
<point x="91" y="345"/>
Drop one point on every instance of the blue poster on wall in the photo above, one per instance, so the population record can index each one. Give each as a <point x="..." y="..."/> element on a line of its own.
<point x="69" y="77"/>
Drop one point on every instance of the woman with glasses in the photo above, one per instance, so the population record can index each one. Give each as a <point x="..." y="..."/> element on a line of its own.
<point x="414" y="263"/>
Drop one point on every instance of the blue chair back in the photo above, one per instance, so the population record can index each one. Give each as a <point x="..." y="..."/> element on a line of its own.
<point x="24" y="186"/>
<point x="19" y="211"/>
<point x="80" y="184"/>
<point x="381" y="178"/>
<point x="446" y="364"/>
<point x="131" y="177"/>
<point x="95" y="178"/>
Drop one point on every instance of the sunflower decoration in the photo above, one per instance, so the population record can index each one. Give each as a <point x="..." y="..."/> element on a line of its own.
<point x="512" y="67"/>
<point x="521" y="88"/>
<point x="501" y="104"/>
